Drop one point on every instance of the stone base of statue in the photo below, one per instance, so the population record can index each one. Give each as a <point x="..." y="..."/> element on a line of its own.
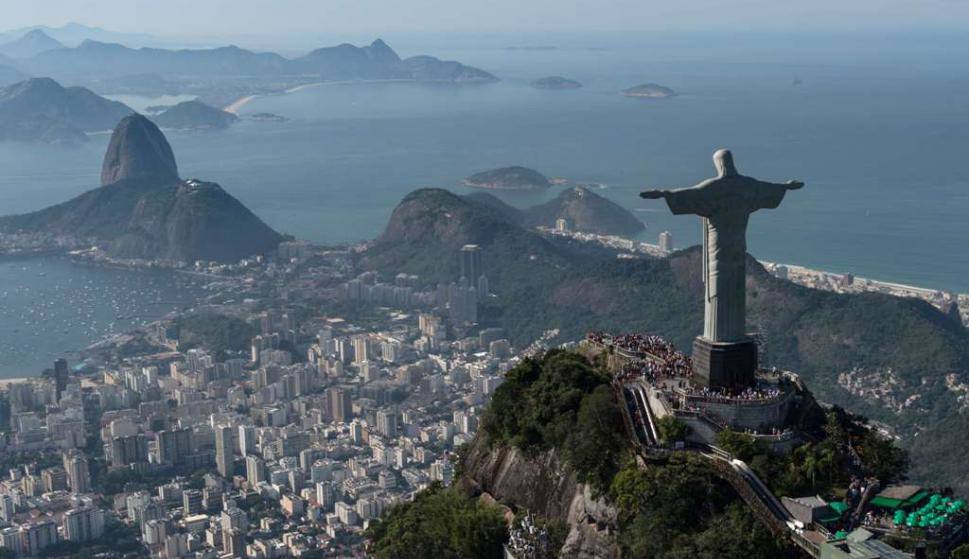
<point x="724" y="364"/>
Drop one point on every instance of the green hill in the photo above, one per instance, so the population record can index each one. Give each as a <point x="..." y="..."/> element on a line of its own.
<point x="584" y="210"/>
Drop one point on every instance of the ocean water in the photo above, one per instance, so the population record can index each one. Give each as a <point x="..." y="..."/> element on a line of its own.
<point x="877" y="127"/>
<point x="51" y="307"/>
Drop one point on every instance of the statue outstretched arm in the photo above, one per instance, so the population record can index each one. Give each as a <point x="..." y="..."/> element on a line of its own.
<point x="691" y="200"/>
<point x="653" y="194"/>
<point x="769" y="194"/>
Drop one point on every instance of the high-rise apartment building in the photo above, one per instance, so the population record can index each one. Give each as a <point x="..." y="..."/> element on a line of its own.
<point x="78" y="474"/>
<point x="223" y="450"/>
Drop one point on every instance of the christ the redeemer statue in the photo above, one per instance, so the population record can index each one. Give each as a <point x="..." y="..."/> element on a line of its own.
<point x="725" y="203"/>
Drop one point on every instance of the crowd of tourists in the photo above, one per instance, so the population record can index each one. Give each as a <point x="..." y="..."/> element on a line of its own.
<point x="751" y="394"/>
<point x="668" y="363"/>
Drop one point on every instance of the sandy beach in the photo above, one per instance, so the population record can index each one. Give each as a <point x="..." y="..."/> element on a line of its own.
<point x="238" y="104"/>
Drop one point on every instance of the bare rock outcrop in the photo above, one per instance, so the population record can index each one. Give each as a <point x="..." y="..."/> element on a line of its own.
<point x="547" y="487"/>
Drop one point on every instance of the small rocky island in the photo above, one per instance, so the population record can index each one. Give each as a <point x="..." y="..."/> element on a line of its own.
<point x="195" y="115"/>
<point x="649" y="91"/>
<point x="509" y="178"/>
<point x="555" y="83"/>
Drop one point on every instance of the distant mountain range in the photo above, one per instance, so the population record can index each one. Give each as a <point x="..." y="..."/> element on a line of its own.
<point x="93" y="59"/>
<point x="72" y="34"/>
<point x="31" y="44"/>
<point x="143" y="209"/>
<point x="543" y="284"/>
<point x="9" y="74"/>
<point x="41" y="110"/>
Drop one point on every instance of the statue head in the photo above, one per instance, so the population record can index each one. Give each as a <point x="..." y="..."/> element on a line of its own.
<point x="723" y="161"/>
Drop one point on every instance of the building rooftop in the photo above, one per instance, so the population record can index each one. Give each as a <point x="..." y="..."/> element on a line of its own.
<point x="899" y="496"/>
<point x="860" y="544"/>
<point x="900" y="492"/>
<point x="813" y="502"/>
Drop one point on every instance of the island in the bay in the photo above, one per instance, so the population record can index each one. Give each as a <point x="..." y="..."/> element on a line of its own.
<point x="195" y="115"/>
<point x="508" y="178"/>
<point x="555" y="82"/>
<point x="649" y="91"/>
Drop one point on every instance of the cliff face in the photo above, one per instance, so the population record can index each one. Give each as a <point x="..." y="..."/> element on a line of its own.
<point x="548" y="488"/>
<point x="138" y="151"/>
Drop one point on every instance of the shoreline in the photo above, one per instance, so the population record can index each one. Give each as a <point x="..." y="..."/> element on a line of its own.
<point x="237" y="105"/>
<point x="147" y="267"/>
<point x="891" y="284"/>
<point x="14" y="380"/>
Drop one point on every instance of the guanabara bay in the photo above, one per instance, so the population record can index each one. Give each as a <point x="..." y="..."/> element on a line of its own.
<point x="592" y="280"/>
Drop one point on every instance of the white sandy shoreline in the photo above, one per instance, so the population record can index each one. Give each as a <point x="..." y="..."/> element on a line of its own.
<point x="238" y="104"/>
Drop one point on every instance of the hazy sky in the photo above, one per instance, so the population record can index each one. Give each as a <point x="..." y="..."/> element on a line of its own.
<point x="267" y="17"/>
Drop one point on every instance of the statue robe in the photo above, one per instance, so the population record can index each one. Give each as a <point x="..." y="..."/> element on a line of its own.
<point x="725" y="204"/>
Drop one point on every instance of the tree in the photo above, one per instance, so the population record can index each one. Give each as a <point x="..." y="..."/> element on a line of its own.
<point x="741" y="445"/>
<point x="672" y="429"/>
<point x="559" y="401"/>
<point x="439" y="523"/>
<point x="595" y="445"/>
<point x="682" y="510"/>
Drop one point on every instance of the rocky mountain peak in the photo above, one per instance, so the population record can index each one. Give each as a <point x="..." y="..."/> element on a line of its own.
<point x="379" y="51"/>
<point x="138" y="150"/>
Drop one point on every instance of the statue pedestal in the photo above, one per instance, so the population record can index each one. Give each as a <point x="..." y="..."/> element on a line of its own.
<point x="724" y="364"/>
